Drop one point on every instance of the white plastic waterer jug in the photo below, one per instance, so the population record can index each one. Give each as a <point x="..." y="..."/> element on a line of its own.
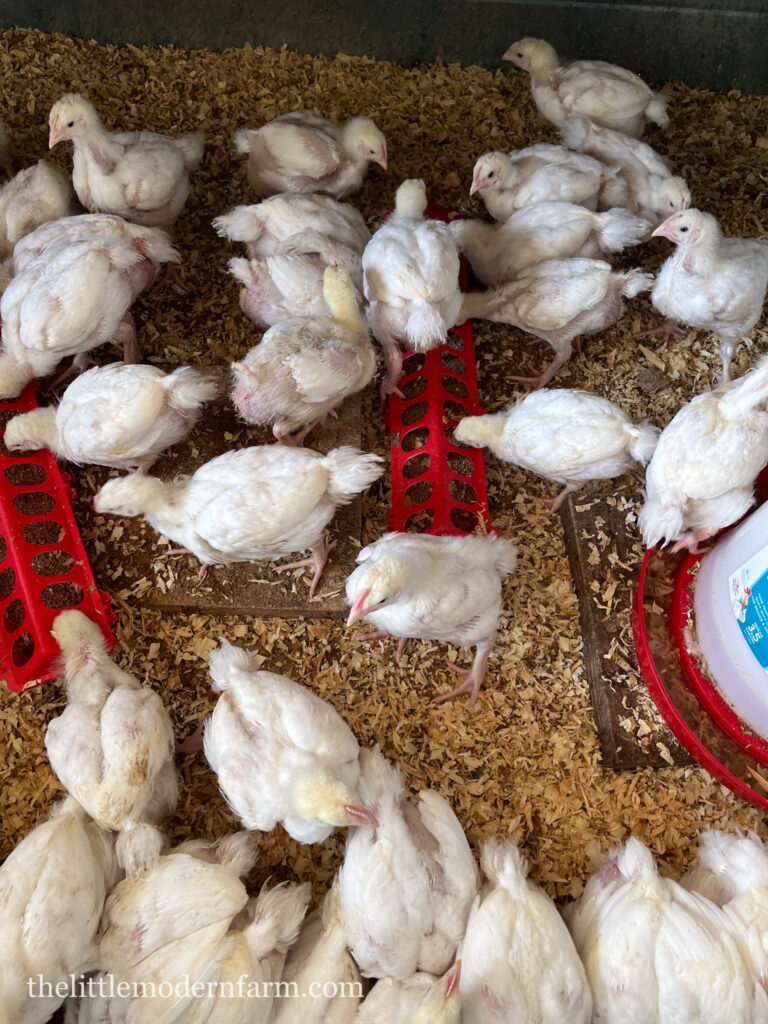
<point x="731" y="619"/>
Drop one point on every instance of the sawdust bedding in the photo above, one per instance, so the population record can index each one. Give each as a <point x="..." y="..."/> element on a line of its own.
<point x="526" y="765"/>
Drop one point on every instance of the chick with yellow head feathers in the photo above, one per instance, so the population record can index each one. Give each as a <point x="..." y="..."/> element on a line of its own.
<point x="301" y="152"/>
<point x="605" y="93"/>
<point x="141" y="176"/>
<point x="280" y="753"/>
<point x="440" y="588"/>
<point x="565" y="435"/>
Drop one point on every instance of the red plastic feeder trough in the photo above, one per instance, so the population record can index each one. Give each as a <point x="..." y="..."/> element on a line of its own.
<point x="438" y="485"/>
<point x="43" y="565"/>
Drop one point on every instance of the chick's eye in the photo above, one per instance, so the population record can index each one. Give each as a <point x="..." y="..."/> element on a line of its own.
<point x="683" y="229"/>
<point x="70" y="124"/>
<point x="520" y="55"/>
<point x="491" y="173"/>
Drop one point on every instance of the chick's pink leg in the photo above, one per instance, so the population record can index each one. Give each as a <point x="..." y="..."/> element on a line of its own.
<point x="193" y="742"/>
<point x="473" y="677"/>
<point x="126" y="335"/>
<point x="317" y="561"/>
<point x="546" y="375"/>
<point x="664" y="329"/>
<point x="553" y="504"/>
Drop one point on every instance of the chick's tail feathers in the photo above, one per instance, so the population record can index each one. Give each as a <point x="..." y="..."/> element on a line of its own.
<point x="643" y="438"/>
<point x="660" y="521"/>
<point x="619" y="228"/>
<point x="350" y="471"/>
<point x="380" y="781"/>
<point x="635" y="281"/>
<point x="242" y="224"/>
<point x="503" y="864"/>
<point x="656" y="110"/>
<point x="226" y="662"/>
<point x="425" y="327"/>
<point x="740" y="397"/>
<point x="33" y="430"/>
<point x="277" y="917"/>
<point x="242" y="140"/>
<point x="191" y="147"/>
<point x="138" y="847"/>
<point x="187" y="389"/>
<point x="241" y="268"/>
<point x="742" y="860"/>
<point x="504" y="554"/>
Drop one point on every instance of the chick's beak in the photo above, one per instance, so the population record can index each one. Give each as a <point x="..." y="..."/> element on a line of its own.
<point x="361" y="815"/>
<point x="509" y="53"/>
<point x="382" y="157"/>
<point x="476" y="181"/>
<point x="358" y="609"/>
<point x="666" y="230"/>
<point x="55" y="134"/>
<point x="451" y="978"/>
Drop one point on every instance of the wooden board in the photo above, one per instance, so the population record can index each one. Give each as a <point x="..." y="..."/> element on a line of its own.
<point x="605" y="552"/>
<point x="129" y="556"/>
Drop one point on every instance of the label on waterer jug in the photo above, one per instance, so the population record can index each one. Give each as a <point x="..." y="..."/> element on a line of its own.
<point x="748" y="588"/>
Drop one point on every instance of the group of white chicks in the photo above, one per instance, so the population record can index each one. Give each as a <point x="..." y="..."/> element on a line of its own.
<point x="408" y="900"/>
<point x="156" y="933"/>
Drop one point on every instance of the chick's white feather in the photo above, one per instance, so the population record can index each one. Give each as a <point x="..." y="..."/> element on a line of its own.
<point x="249" y="504"/>
<point x="267" y="225"/>
<point x="518" y="961"/>
<point x="407" y="883"/>
<point x="565" y="435"/>
<point x="36" y="195"/>
<point x="411" y="271"/>
<point x="118" y="415"/>
<point x="558" y="301"/>
<point x="141" y="176"/>
<point x="301" y="152"/>
<point x="543" y="231"/>
<point x="280" y="753"/>
<point x="305" y="366"/>
<point x="605" y="93"/>
<point x="52" y="891"/>
<point x="716" y="445"/>
<point x="112" y="746"/>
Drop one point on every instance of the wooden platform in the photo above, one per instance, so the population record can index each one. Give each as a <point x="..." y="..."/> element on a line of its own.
<point x="128" y="555"/>
<point x="605" y="552"/>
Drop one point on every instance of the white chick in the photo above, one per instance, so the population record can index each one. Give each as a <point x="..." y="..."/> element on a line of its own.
<point x="411" y="270"/>
<point x="605" y="93"/>
<point x="33" y="197"/>
<point x="304" y="367"/>
<point x="518" y="962"/>
<point x="73" y="298"/>
<point x="541" y="173"/>
<point x="301" y="152"/>
<point x="559" y="301"/>
<point x="141" y="176"/>
<point x="249" y="505"/>
<point x="544" y="231"/>
<point x="290" y="283"/>
<point x="189" y="920"/>
<point x="112" y="746"/>
<point x="655" y="953"/>
<point x="280" y="753"/>
<point x="731" y="869"/>
<point x="712" y="451"/>
<point x="52" y="891"/>
<point x="408" y="881"/>
<point x="569" y="436"/>
<point x="154" y="243"/>
<point x="420" y="999"/>
<point x="712" y="282"/>
<point x="327" y="987"/>
<point x="436" y="588"/>
<point x="267" y="225"/>
<point x="644" y="182"/>
<point x="117" y="415"/>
